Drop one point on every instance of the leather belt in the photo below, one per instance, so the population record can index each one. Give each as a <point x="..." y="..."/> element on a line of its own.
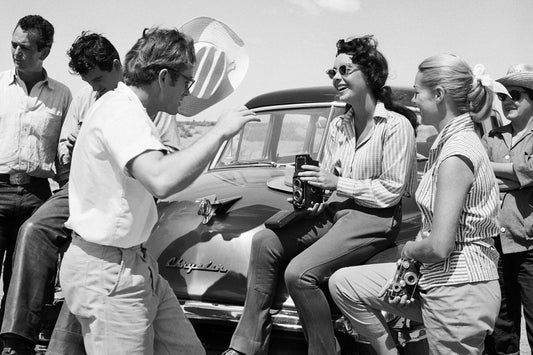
<point x="19" y="179"/>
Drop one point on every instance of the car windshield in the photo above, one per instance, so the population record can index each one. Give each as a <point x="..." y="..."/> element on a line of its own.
<point x="278" y="137"/>
<point x="283" y="133"/>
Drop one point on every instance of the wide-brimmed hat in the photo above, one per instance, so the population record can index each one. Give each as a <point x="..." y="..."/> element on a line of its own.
<point x="518" y="75"/>
<point x="221" y="64"/>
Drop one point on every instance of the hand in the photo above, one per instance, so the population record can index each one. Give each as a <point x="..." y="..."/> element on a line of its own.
<point x="312" y="211"/>
<point x="71" y="140"/>
<point x="318" y="177"/>
<point x="402" y="301"/>
<point x="233" y="120"/>
<point x="316" y="209"/>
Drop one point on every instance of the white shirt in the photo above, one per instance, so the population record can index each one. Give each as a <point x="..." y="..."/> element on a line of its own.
<point x="30" y="123"/>
<point x="108" y="206"/>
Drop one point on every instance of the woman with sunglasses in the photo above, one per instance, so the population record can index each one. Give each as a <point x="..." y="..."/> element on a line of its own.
<point x="459" y="294"/>
<point x="510" y="149"/>
<point x="368" y="165"/>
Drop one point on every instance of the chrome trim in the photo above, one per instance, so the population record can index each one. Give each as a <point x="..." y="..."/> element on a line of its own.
<point x="286" y="319"/>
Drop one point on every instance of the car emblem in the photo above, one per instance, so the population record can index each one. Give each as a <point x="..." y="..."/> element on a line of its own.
<point x="210" y="204"/>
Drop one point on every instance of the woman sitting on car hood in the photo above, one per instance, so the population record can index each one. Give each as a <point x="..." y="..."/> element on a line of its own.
<point x="458" y="196"/>
<point x="368" y="165"/>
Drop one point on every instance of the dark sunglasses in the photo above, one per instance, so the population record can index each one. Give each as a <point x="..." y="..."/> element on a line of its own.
<point x="343" y="70"/>
<point x="516" y="95"/>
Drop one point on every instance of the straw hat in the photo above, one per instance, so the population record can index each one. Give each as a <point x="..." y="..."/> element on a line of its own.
<point x="518" y="75"/>
<point x="221" y="64"/>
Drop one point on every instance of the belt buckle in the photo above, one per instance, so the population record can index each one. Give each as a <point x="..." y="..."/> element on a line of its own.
<point x="19" y="179"/>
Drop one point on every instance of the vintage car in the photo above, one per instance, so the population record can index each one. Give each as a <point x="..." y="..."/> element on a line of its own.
<point x="203" y="237"/>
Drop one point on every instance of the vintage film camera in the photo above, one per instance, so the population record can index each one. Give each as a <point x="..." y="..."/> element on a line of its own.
<point x="405" y="279"/>
<point x="303" y="194"/>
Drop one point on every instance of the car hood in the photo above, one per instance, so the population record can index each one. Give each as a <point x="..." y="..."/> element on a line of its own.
<point x="209" y="262"/>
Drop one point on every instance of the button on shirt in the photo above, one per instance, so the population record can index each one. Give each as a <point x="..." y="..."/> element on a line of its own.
<point x="378" y="170"/>
<point x="516" y="210"/>
<point x="107" y="205"/>
<point x="473" y="257"/>
<point x="30" y="124"/>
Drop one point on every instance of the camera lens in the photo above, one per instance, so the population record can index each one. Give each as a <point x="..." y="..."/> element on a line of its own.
<point x="297" y="183"/>
<point x="297" y="195"/>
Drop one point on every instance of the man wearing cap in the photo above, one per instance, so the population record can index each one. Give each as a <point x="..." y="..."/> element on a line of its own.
<point x="109" y="280"/>
<point x="510" y="149"/>
<point x="32" y="109"/>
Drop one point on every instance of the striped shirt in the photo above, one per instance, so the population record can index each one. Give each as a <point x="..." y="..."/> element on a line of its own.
<point x="473" y="258"/>
<point x="378" y="170"/>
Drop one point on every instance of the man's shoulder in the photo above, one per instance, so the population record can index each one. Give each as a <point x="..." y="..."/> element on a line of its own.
<point x="6" y="75"/>
<point x="58" y="86"/>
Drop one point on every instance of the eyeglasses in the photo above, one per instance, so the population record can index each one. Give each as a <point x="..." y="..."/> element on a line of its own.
<point x="344" y="70"/>
<point x="189" y="81"/>
<point x="516" y="95"/>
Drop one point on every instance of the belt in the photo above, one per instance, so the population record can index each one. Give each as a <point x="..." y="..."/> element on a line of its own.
<point x="19" y="179"/>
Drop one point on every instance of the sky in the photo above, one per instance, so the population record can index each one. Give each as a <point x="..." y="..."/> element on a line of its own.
<point x="292" y="42"/>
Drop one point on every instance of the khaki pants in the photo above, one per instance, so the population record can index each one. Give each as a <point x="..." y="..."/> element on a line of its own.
<point x="457" y="318"/>
<point x="122" y="303"/>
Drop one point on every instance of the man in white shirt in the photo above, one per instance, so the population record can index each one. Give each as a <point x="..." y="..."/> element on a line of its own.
<point x="109" y="279"/>
<point x="32" y="109"/>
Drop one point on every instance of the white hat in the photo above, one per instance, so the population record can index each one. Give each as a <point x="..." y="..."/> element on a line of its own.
<point x="221" y="64"/>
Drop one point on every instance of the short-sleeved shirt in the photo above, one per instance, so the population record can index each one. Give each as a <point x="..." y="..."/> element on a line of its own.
<point x="516" y="208"/>
<point x="474" y="257"/>
<point x="30" y="124"/>
<point x="377" y="170"/>
<point x="107" y="205"/>
<point x="83" y="100"/>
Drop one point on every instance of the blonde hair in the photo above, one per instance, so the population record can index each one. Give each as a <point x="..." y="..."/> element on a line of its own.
<point x="455" y="76"/>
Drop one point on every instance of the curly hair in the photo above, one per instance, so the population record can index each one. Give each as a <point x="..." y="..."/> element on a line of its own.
<point x="364" y="53"/>
<point x="91" y="50"/>
<point x="455" y="76"/>
<point x="158" y="49"/>
<point x="43" y="30"/>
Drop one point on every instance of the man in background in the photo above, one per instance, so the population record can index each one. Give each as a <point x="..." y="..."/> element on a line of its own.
<point x="32" y="109"/>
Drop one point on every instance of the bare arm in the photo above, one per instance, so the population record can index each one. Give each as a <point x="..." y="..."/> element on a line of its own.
<point x="164" y="175"/>
<point x="455" y="177"/>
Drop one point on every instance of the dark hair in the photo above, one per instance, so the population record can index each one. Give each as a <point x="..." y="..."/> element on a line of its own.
<point x="158" y="49"/>
<point x="455" y="76"/>
<point x="91" y="50"/>
<point x="374" y="66"/>
<point x="43" y="30"/>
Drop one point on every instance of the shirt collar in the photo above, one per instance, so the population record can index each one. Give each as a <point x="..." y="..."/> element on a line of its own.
<point x="121" y="87"/>
<point x="379" y="112"/>
<point x="458" y="124"/>
<point x="46" y="81"/>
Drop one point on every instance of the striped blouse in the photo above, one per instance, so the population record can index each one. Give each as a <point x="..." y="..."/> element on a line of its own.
<point x="473" y="258"/>
<point x="378" y="170"/>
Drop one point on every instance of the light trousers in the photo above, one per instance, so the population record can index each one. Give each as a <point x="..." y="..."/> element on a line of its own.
<point x="122" y="303"/>
<point x="456" y="317"/>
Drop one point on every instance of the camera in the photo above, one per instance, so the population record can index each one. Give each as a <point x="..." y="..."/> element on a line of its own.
<point x="405" y="279"/>
<point x="303" y="194"/>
